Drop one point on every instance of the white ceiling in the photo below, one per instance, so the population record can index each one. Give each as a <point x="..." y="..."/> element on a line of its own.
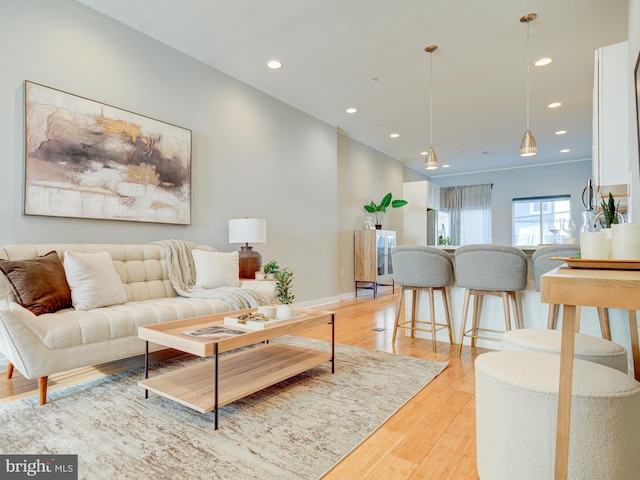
<point x="370" y="54"/>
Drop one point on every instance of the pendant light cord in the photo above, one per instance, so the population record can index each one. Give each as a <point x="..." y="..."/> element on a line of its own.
<point x="430" y="98"/>
<point x="528" y="22"/>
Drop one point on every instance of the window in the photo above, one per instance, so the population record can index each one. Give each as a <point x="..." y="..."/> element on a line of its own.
<point x="538" y="220"/>
<point x="468" y="214"/>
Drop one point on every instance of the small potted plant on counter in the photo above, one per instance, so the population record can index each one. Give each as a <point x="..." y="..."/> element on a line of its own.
<point x="610" y="212"/>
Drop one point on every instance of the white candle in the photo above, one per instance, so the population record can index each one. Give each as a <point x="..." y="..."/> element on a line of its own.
<point x="594" y="245"/>
<point x="625" y="241"/>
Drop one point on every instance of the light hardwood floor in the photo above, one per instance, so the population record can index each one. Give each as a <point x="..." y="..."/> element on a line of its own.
<point x="432" y="436"/>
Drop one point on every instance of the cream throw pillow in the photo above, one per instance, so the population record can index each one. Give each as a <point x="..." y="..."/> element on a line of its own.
<point x="93" y="280"/>
<point x="216" y="269"/>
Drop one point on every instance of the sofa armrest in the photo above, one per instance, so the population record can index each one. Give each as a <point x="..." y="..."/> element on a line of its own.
<point x="266" y="288"/>
<point x="18" y="342"/>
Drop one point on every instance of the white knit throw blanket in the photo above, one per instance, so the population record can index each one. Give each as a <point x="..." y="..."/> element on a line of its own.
<point x="182" y="275"/>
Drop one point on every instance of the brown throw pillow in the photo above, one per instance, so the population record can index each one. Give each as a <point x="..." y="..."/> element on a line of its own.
<point x="40" y="284"/>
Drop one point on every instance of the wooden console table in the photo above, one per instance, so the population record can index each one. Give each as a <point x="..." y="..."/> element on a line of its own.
<point x="573" y="287"/>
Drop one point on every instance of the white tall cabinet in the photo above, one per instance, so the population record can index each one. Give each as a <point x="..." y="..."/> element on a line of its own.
<point x="420" y="217"/>
<point x="612" y="81"/>
<point x="372" y="258"/>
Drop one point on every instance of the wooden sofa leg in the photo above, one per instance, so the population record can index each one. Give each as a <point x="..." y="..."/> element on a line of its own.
<point x="9" y="370"/>
<point x="42" y="388"/>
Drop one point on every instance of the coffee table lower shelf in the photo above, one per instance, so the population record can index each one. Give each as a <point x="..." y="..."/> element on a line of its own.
<point x="239" y="374"/>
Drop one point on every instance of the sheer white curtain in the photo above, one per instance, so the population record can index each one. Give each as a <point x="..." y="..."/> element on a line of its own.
<point x="469" y="209"/>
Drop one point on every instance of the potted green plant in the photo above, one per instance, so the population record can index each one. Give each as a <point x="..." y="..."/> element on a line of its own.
<point x="283" y="287"/>
<point x="270" y="268"/>
<point x="379" y="210"/>
<point x="610" y="212"/>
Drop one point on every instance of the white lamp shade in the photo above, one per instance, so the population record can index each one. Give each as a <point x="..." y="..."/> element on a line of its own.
<point x="528" y="147"/>
<point x="247" y="230"/>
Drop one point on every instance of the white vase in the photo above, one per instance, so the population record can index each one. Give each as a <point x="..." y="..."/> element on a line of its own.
<point x="284" y="312"/>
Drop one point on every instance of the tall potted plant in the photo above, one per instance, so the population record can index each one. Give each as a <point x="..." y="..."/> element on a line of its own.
<point x="379" y="210"/>
<point x="284" y="294"/>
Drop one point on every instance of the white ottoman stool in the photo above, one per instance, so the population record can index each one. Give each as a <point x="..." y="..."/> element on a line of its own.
<point x="586" y="347"/>
<point x="516" y="417"/>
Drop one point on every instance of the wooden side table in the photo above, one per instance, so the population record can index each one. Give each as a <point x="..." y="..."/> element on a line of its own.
<point x="574" y="287"/>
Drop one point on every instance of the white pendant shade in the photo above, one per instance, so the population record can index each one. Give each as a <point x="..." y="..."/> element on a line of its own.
<point x="431" y="161"/>
<point x="528" y="147"/>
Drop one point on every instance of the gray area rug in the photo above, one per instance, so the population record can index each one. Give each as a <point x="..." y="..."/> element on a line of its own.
<point x="297" y="429"/>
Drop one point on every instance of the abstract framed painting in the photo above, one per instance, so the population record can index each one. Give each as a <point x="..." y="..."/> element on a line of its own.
<point x="86" y="159"/>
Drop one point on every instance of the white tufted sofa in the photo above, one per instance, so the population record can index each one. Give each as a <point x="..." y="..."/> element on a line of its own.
<point x="38" y="346"/>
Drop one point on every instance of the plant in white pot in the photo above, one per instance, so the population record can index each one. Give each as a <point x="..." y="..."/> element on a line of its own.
<point x="284" y="280"/>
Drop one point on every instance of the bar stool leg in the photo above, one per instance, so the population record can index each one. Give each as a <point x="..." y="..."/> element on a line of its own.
<point x="507" y="314"/>
<point x="478" y="299"/>
<point x="603" y="315"/>
<point x="398" y="308"/>
<point x="414" y="305"/>
<point x="432" y="314"/>
<point x="465" y="312"/>
<point x="516" y="304"/>
<point x="552" y="317"/>
<point x="445" y="302"/>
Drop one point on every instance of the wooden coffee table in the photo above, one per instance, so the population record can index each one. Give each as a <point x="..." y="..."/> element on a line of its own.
<point x="207" y="386"/>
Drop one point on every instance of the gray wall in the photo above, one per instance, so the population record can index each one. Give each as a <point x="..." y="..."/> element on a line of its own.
<point x="565" y="178"/>
<point x="364" y="173"/>
<point x="252" y="154"/>
<point x="634" y="160"/>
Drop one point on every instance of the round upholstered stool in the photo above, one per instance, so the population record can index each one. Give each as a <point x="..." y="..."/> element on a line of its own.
<point x="516" y="418"/>
<point x="586" y="347"/>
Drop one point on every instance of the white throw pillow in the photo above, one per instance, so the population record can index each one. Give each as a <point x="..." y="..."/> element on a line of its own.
<point x="93" y="280"/>
<point x="216" y="269"/>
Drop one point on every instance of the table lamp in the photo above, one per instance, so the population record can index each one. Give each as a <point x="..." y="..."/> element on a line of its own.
<point x="248" y="230"/>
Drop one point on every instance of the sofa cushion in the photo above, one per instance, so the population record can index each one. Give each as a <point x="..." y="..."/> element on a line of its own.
<point x="216" y="269"/>
<point x="39" y="284"/>
<point x="93" y="280"/>
<point x="66" y="329"/>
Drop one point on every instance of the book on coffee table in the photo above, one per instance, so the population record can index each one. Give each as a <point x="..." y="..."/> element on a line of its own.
<point x="213" y="333"/>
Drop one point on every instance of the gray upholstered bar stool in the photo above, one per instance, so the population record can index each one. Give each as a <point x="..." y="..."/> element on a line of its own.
<point x="417" y="268"/>
<point x="489" y="269"/>
<point x="542" y="264"/>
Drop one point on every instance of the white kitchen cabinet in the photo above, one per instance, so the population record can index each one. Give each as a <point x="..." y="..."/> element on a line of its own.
<point x="420" y="214"/>
<point x="612" y="80"/>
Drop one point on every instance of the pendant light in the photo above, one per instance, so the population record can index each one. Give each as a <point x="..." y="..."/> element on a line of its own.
<point x="528" y="146"/>
<point x="431" y="161"/>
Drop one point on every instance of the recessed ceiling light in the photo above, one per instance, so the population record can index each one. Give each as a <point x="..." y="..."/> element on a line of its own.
<point x="445" y="166"/>
<point x="274" y="64"/>
<point x="565" y="150"/>
<point x="394" y="135"/>
<point x="351" y="110"/>
<point x="423" y="153"/>
<point x="561" y="132"/>
<point x="554" y="105"/>
<point x="542" y="62"/>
